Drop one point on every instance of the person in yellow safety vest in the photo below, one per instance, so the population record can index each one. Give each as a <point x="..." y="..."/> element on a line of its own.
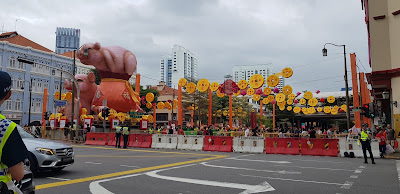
<point x="125" y="133"/>
<point x="159" y="130"/>
<point x="151" y="131"/>
<point x="118" y="131"/>
<point x="12" y="149"/>
<point x="365" y="138"/>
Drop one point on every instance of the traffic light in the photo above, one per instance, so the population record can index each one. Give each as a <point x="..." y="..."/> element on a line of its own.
<point x="371" y="110"/>
<point x="45" y="116"/>
<point x="106" y="112"/>
<point x="365" y="111"/>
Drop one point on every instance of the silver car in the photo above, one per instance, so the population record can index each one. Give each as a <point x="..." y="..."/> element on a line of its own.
<point x="46" y="154"/>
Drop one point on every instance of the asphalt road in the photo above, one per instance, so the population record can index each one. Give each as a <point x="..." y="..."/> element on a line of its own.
<point x="109" y="170"/>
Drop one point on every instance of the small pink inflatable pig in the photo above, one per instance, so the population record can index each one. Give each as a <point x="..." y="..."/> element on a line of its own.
<point x="110" y="62"/>
<point x="87" y="88"/>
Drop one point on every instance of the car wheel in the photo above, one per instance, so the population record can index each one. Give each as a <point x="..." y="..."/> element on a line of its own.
<point x="57" y="169"/>
<point x="33" y="163"/>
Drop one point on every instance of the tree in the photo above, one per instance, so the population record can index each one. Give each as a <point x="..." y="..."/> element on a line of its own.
<point x="98" y="78"/>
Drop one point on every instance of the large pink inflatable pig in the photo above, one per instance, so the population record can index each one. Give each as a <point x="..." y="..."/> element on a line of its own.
<point x="87" y="88"/>
<point x="110" y="62"/>
<point x="115" y="66"/>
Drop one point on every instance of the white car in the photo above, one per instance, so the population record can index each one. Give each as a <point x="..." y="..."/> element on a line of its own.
<point x="46" y="154"/>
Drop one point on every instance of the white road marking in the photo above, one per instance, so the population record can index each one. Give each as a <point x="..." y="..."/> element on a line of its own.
<point x="278" y="162"/>
<point x="61" y="179"/>
<point x="316" y="168"/>
<point x="323" y="161"/>
<point x="361" y="167"/>
<point x="347" y="185"/>
<point x="398" y="168"/>
<point x="264" y="187"/>
<point x="295" y="180"/>
<point x="96" y="188"/>
<point x="238" y="168"/>
<point x="353" y="176"/>
<point x="129" y="166"/>
<point x="240" y="156"/>
<point x="358" y="171"/>
<point x="92" y="163"/>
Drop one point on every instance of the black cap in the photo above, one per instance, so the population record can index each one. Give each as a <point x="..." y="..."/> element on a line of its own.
<point x="5" y="84"/>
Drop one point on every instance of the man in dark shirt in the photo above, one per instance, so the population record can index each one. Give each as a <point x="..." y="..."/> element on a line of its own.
<point x="255" y="132"/>
<point x="312" y="133"/>
<point x="13" y="152"/>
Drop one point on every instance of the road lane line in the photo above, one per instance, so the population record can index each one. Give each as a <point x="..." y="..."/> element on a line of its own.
<point x="358" y="171"/>
<point x="112" y="156"/>
<point x="128" y="172"/>
<point x="241" y="156"/>
<point x="361" y="167"/>
<point x="96" y="188"/>
<point x="263" y="187"/>
<point x="347" y="185"/>
<point x="278" y="162"/>
<point x="249" y="169"/>
<point x="295" y="180"/>
<point x="315" y="168"/>
<point x="92" y="163"/>
<point x="147" y="151"/>
<point x="353" y="176"/>
<point x="322" y="161"/>
<point x="129" y="166"/>
<point x="55" y="178"/>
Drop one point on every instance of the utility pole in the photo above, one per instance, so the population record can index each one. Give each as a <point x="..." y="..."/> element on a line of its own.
<point x="73" y="92"/>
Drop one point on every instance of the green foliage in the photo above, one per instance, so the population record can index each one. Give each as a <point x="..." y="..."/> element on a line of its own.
<point x="98" y="78"/>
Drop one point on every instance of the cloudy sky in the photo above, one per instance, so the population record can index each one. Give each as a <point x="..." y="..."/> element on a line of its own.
<point x="221" y="33"/>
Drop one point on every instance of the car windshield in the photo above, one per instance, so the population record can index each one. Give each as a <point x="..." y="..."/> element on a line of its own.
<point x="24" y="133"/>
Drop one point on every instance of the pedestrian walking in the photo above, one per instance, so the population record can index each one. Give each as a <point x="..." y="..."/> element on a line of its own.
<point x="118" y="131"/>
<point x="382" y="144"/>
<point x="365" y="138"/>
<point x="12" y="149"/>
<point x="390" y="134"/>
<point x="125" y="132"/>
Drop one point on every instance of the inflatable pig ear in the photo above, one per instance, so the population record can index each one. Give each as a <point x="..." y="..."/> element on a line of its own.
<point x="91" y="77"/>
<point x="97" y="45"/>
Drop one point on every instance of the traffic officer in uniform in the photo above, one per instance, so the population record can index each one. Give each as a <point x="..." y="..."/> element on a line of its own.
<point x="118" y="131"/>
<point x="151" y="131"/>
<point x="125" y="132"/>
<point x="12" y="149"/>
<point x="365" y="138"/>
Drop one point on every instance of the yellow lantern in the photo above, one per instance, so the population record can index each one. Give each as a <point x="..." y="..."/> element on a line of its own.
<point x="308" y="95"/>
<point x="283" y="103"/>
<point x="319" y="109"/>
<point x="327" y="109"/>
<point x="267" y="91"/>
<point x="287" y="90"/>
<point x="287" y="72"/>
<point x="243" y="84"/>
<point x="149" y="97"/>
<point x="57" y="95"/>
<point x="271" y="98"/>
<point x="296" y="109"/>
<point x="281" y="108"/>
<point x="219" y="94"/>
<point x="344" y="107"/>
<point x="68" y="96"/>
<point x="313" y="102"/>
<point x="203" y="85"/>
<point x="214" y="86"/>
<point x="272" y="80"/>
<point x="84" y="111"/>
<point x="280" y="97"/>
<point x="160" y="105"/>
<point x="182" y="82"/>
<point x="63" y="96"/>
<point x="302" y="101"/>
<point x="256" y="97"/>
<point x="250" y="91"/>
<point x="149" y="105"/>
<point x="291" y="96"/>
<point x="265" y="101"/>
<point x="331" y="99"/>
<point x="256" y="81"/>
<point x="191" y="88"/>
<point x="289" y="108"/>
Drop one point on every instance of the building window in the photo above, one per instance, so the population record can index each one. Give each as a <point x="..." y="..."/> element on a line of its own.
<point x="39" y="86"/>
<point x="20" y="65"/>
<point x="38" y="107"/>
<point x="12" y="82"/>
<point x="8" y="105"/>
<point x="12" y="62"/>
<point x="18" y="105"/>
<point x="46" y="85"/>
<point x="56" y="87"/>
<point x="34" y="85"/>
<point x="20" y="83"/>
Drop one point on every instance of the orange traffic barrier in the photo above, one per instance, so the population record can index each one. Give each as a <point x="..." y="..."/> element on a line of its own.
<point x="112" y="141"/>
<point x="218" y="143"/>
<point x="140" y="140"/>
<point x="282" y="146"/>
<point x="320" y="147"/>
<point x="96" y="138"/>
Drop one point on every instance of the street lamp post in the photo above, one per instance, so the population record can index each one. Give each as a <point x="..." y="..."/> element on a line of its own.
<point x="325" y="53"/>
<point x="30" y="99"/>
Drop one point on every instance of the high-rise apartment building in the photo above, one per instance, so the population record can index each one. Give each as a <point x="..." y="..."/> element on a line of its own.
<point x="244" y="72"/>
<point x="67" y="39"/>
<point x="181" y="64"/>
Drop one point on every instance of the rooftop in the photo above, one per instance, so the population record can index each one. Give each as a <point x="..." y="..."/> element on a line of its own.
<point x="15" y="38"/>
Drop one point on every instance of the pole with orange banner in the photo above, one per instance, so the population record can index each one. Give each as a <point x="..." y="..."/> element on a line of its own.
<point x="368" y="100"/>
<point x="179" y="105"/>
<point x="356" y="98"/>
<point x="137" y="84"/>
<point x="154" y="116"/>
<point x="209" y="107"/>
<point x="273" y="117"/>
<point x="191" y="120"/>
<point x="363" y="94"/>
<point x="261" y="113"/>
<point x="230" y="112"/>
<point x="43" y="112"/>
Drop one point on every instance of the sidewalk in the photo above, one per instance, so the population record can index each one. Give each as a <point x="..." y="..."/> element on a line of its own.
<point x="395" y="155"/>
